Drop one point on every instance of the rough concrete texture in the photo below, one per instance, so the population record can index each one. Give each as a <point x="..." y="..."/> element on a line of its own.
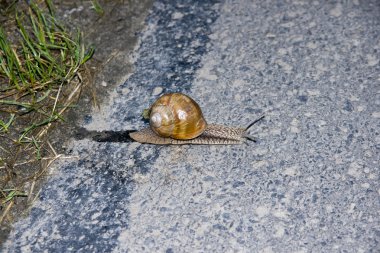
<point x="311" y="182"/>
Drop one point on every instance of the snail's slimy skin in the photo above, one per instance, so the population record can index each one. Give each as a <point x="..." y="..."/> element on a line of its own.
<point x="213" y="135"/>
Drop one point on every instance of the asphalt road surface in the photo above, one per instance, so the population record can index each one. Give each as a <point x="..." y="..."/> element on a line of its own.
<point x="309" y="184"/>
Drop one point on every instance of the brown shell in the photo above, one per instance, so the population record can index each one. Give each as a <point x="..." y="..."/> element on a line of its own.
<point x="177" y="116"/>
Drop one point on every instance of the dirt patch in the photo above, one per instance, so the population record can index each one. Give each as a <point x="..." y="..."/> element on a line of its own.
<point x="114" y="34"/>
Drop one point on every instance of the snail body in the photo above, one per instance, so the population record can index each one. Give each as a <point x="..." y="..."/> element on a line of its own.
<point x="177" y="119"/>
<point x="213" y="135"/>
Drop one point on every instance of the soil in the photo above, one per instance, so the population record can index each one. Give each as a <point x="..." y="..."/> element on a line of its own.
<point x="114" y="35"/>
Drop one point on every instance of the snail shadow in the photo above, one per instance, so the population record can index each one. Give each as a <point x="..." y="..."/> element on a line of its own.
<point x="104" y="136"/>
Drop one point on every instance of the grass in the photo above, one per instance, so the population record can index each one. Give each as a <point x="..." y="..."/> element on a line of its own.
<point x="10" y="194"/>
<point x="40" y="75"/>
<point x="97" y="7"/>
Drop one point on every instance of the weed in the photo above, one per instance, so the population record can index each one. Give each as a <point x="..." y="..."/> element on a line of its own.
<point x="40" y="76"/>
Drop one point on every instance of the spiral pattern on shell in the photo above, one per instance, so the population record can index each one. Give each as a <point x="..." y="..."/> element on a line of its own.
<point x="177" y="116"/>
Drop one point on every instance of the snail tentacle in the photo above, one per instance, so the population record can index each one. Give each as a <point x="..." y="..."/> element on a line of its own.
<point x="254" y="122"/>
<point x="246" y="134"/>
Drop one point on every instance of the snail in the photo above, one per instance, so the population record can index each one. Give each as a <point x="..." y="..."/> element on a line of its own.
<point x="175" y="118"/>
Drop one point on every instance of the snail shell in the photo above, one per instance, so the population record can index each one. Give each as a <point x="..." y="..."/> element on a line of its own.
<point x="177" y="116"/>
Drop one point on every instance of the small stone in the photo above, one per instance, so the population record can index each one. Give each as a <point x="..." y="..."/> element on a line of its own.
<point x="313" y="92"/>
<point x="280" y="231"/>
<point x="361" y="108"/>
<point x="267" y="249"/>
<point x="125" y="91"/>
<point x="337" y="11"/>
<point x="354" y="170"/>
<point x="291" y="171"/>
<point x="271" y="35"/>
<point x="262" y="211"/>
<point x="177" y="15"/>
<point x="157" y="91"/>
<point x="285" y="66"/>
<point x="281" y="214"/>
<point x="205" y="74"/>
<point x="282" y="51"/>
<point x="372" y="60"/>
<point x="365" y="185"/>
<point x="294" y="126"/>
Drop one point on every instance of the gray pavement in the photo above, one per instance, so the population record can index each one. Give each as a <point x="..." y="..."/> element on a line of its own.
<point x="310" y="183"/>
